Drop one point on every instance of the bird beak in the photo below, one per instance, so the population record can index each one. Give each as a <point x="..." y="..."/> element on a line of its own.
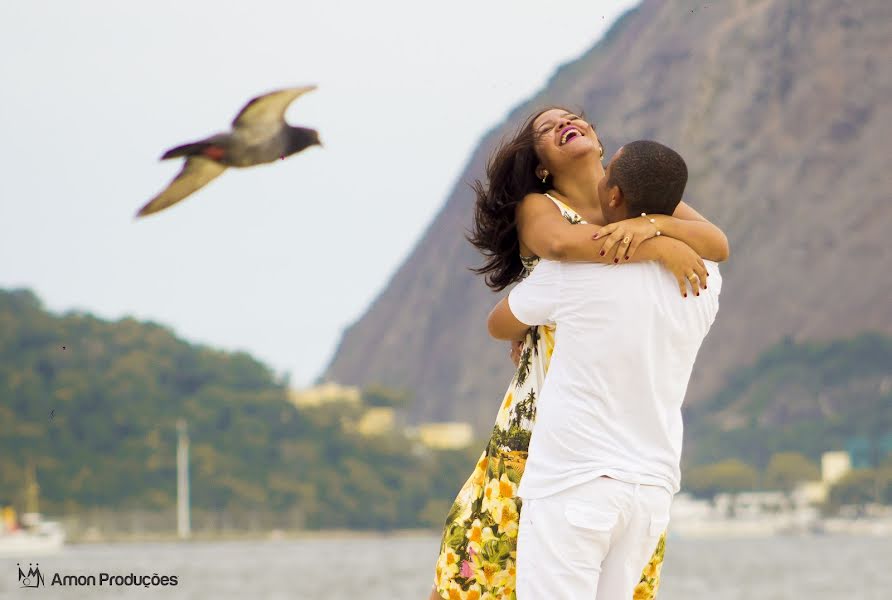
<point x="318" y="141"/>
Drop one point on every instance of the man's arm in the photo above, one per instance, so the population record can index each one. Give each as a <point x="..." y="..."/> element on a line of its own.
<point x="503" y="325"/>
<point x="533" y="301"/>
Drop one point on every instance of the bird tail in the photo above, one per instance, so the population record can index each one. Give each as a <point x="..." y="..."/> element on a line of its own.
<point x="192" y="149"/>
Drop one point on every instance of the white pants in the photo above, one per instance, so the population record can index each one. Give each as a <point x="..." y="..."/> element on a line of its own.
<point x="590" y="541"/>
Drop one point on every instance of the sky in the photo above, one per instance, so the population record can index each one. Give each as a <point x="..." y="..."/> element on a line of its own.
<point x="279" y="259"/>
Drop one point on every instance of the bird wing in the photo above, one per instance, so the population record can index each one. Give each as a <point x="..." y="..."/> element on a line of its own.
<point x="195" y="174"/>
<point x="269" y="109"/>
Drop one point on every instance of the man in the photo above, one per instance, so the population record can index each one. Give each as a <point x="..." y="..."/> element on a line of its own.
<point x="604" y="457"/>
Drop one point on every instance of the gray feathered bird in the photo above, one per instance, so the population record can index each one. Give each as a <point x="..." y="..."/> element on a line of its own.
<point x="259" y="135"/>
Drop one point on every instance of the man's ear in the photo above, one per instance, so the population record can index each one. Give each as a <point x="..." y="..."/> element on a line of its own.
<point x="617" y="200"/>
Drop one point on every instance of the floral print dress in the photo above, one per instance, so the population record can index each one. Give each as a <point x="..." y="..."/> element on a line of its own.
<point x="478" y="552"/>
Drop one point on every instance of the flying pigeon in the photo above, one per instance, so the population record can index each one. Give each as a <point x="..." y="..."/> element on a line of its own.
<point x="259" y="135"/>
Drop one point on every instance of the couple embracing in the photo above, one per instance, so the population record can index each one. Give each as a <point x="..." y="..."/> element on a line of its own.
<point x="577" y="506"/>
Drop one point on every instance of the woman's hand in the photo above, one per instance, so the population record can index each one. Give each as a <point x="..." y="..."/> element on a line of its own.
<point x="514" y="352"/>
<point x="626" y="236"/>
<point x="684" y="263"/>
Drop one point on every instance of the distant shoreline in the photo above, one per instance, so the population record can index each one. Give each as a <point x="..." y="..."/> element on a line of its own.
<point x="265" y="536"/>
<point x="828" y="528"/>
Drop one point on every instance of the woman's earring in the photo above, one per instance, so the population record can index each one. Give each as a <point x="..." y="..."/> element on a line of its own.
<point x="544" y="175"/>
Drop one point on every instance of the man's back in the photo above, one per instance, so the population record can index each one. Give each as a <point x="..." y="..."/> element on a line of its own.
<point x="625" y="345"/>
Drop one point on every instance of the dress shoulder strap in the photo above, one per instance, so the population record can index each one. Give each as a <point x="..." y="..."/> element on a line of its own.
<point x="569" y="214"/>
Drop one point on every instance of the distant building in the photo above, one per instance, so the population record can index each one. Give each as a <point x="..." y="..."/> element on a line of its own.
<point x="377" y="420"/>
<point x="445" y="436"/>
<point x="752" y="504"/>
<point x="325" y="393"/>
<point x="834" y="466"/>
<point x="747" y="514"/>
<point x="810" y="492"/>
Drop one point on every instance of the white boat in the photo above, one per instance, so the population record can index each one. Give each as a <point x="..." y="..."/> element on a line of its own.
<point x="32" y="536"/>
<point x="36" y="537"/>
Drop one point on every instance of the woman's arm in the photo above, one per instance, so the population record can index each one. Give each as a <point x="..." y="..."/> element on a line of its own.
<point x="548" y="234"/>
<point x="692" y="228"/>
<point x="685" y="224"/>
<point x="542" y="229"/>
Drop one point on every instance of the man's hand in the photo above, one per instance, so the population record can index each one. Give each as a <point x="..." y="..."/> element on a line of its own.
<point x="515" y="351"/>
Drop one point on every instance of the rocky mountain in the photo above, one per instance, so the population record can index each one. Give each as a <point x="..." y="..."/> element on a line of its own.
<point x="783" y="110"/>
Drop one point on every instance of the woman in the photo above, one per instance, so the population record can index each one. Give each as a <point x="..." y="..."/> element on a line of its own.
<point x="541" y="201"/>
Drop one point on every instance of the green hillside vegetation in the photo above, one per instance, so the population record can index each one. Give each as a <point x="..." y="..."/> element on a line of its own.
<point x="769" y="425"/>
<point x="94" y="405"/>
<point x="809" y="398"/>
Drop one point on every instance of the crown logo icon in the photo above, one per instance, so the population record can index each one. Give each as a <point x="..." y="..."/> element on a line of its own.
<point x="33" y="578"/>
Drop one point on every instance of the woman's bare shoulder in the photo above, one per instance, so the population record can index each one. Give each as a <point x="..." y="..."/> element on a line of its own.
<point x="535" y="202"/>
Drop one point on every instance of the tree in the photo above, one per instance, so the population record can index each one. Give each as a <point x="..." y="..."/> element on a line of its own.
<point x="787" y="469"/>
<point x="856" y="488"/>
<point x="732" y="476"/>
<point x="95" y="403"/>
<point x="378" y="395"/>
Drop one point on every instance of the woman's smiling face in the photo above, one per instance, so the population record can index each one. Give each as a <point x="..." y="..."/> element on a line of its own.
<point x="561" y="135"/>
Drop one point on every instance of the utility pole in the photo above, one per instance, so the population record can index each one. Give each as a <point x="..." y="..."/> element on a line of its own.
<point x="32" y="490"/>
<point x="183" y="522"/>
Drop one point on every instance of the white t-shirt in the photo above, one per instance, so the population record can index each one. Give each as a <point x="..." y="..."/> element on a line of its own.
<point x="625" y="345"/>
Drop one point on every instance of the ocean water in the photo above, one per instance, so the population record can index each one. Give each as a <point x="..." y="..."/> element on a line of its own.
<point x="400" y="567"/>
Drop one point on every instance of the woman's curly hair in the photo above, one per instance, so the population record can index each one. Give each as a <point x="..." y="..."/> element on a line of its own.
<point x="511" y="175"/>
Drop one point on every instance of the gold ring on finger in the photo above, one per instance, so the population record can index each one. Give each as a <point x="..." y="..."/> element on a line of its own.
<point x="692" y="276"/>
<point x="627" y="239"/>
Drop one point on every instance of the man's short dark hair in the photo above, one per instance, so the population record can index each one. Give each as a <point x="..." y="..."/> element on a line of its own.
<point x="651" y="176"/>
